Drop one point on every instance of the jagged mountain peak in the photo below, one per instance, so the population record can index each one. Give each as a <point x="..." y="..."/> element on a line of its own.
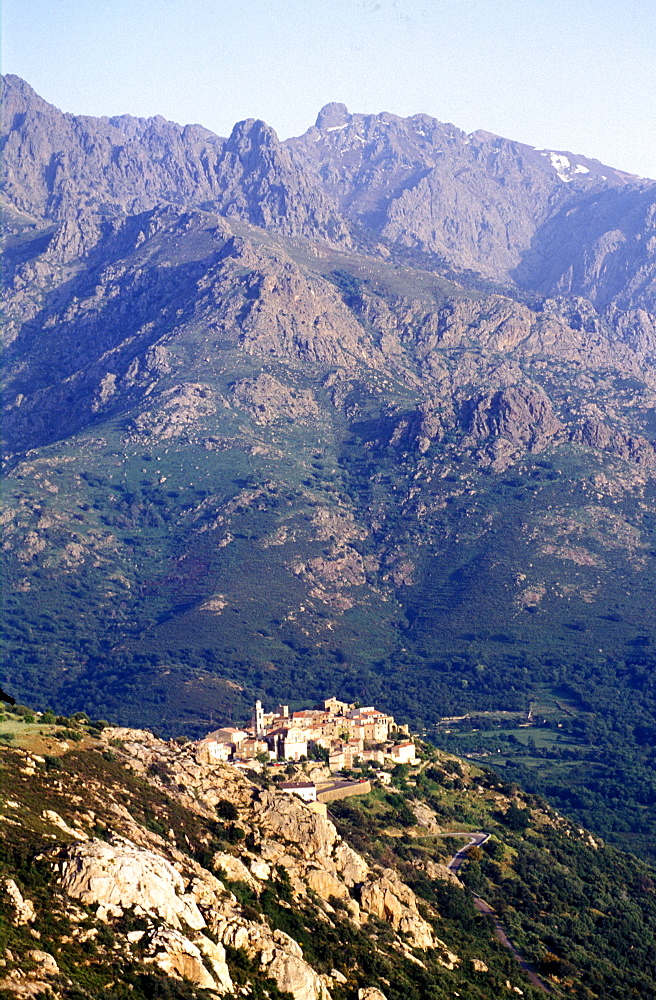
<point x="254" y="132"/>
<point x="479" y="203"/>
<point x="332" y="116"/>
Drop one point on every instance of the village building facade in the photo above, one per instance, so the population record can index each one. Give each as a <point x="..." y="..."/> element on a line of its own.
<point x="350" y="733"/>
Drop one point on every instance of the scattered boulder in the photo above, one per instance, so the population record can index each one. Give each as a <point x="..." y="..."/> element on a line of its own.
<point x="23" y="909"/>
<point x="177" y="956"/>
<point x="47" y="964"/>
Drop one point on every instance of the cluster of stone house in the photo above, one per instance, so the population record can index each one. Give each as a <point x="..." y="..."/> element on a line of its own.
<point x="346" y="731"/>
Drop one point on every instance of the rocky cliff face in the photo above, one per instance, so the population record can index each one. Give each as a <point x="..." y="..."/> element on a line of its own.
<point x="63" y="166"/>
<point x="59" y="166"/>
<point x="482" y="202"/>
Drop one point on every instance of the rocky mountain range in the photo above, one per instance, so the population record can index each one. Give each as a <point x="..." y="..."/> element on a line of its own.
<point x="339" y="405"/>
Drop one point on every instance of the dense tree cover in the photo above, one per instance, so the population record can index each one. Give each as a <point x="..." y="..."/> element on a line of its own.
<point x="601" y="765"/>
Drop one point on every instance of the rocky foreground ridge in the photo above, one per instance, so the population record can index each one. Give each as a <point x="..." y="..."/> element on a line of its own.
<point x="131" y="867"/>
<point x="183" y="914"/>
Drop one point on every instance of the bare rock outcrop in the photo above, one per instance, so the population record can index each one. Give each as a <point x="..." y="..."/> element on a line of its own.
<point x="351" y="867"/>
<point x="287" y="315"/>
<point x="267" y="399"/>
<point x="234" y="868"/>
<point x="181" y="958"/>
<point x="511" y="421"/>
<point x="631" y="447"/>
<point x="279" y="955"/>
<point x="390" y="900"/>
<point x="178" y="411"/>
<point x="119" y="875"/>
<point x="289" y="821"/>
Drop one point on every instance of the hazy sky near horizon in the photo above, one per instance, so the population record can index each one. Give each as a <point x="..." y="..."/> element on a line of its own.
<point x="576" y="75"/>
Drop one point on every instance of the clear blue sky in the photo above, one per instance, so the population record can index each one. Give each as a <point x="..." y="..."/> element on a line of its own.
<point x="576" y="75"/>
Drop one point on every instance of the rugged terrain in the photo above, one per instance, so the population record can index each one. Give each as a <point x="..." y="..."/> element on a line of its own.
<point x="119" y="851"/>
<point x="369" y="409"/>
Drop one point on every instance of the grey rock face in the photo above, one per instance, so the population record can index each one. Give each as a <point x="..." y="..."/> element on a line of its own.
<point x="479" y="202"/>
<point x="61" y="166"/>
<point x="602" y="247"/>
<point x="58" y="165"/>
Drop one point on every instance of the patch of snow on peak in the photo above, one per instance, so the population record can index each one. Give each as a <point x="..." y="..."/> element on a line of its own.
<point x="563" y="165"/>
<point x="336" y="128"/>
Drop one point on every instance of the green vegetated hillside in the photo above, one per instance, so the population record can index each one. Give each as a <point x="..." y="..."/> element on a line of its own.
<point x="274" y="427"/>
<point x="131" y="868"/>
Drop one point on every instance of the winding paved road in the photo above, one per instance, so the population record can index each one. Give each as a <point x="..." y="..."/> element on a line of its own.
<point x="475" y="840"/>
<point x="454" y="866"/>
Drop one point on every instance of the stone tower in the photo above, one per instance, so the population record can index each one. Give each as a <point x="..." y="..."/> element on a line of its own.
<point x="258" y="719"/>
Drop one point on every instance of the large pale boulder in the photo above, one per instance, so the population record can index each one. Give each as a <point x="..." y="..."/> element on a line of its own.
<point x="260" y="869"/>
<point x="216" y="956"/>
<point x="426" y="817"/>
<point x="326" y="885"/>
<point x="390" y="900"/>
<point x="289" y="819"/>
<point x="371" y="993"/>
<point x="207" y="890"/>
<point x="119" y="875"/>
<point x="294" y="975"/>
<point x="235" y="869"/>
<point x="23" y="908"/>
<point x="53" y="817"/>
<point x="280" y="956"/>
<point x="437" y="871"/>
<point x="177" y="956"/>
<point x="47" y="964"/>
<point x="352" y="868"/>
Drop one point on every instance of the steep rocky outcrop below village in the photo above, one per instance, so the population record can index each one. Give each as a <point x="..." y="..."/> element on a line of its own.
<point x="130" y="863"/>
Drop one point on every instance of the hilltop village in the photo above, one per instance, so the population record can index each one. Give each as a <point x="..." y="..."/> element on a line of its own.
<point x="334" y="731"/>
